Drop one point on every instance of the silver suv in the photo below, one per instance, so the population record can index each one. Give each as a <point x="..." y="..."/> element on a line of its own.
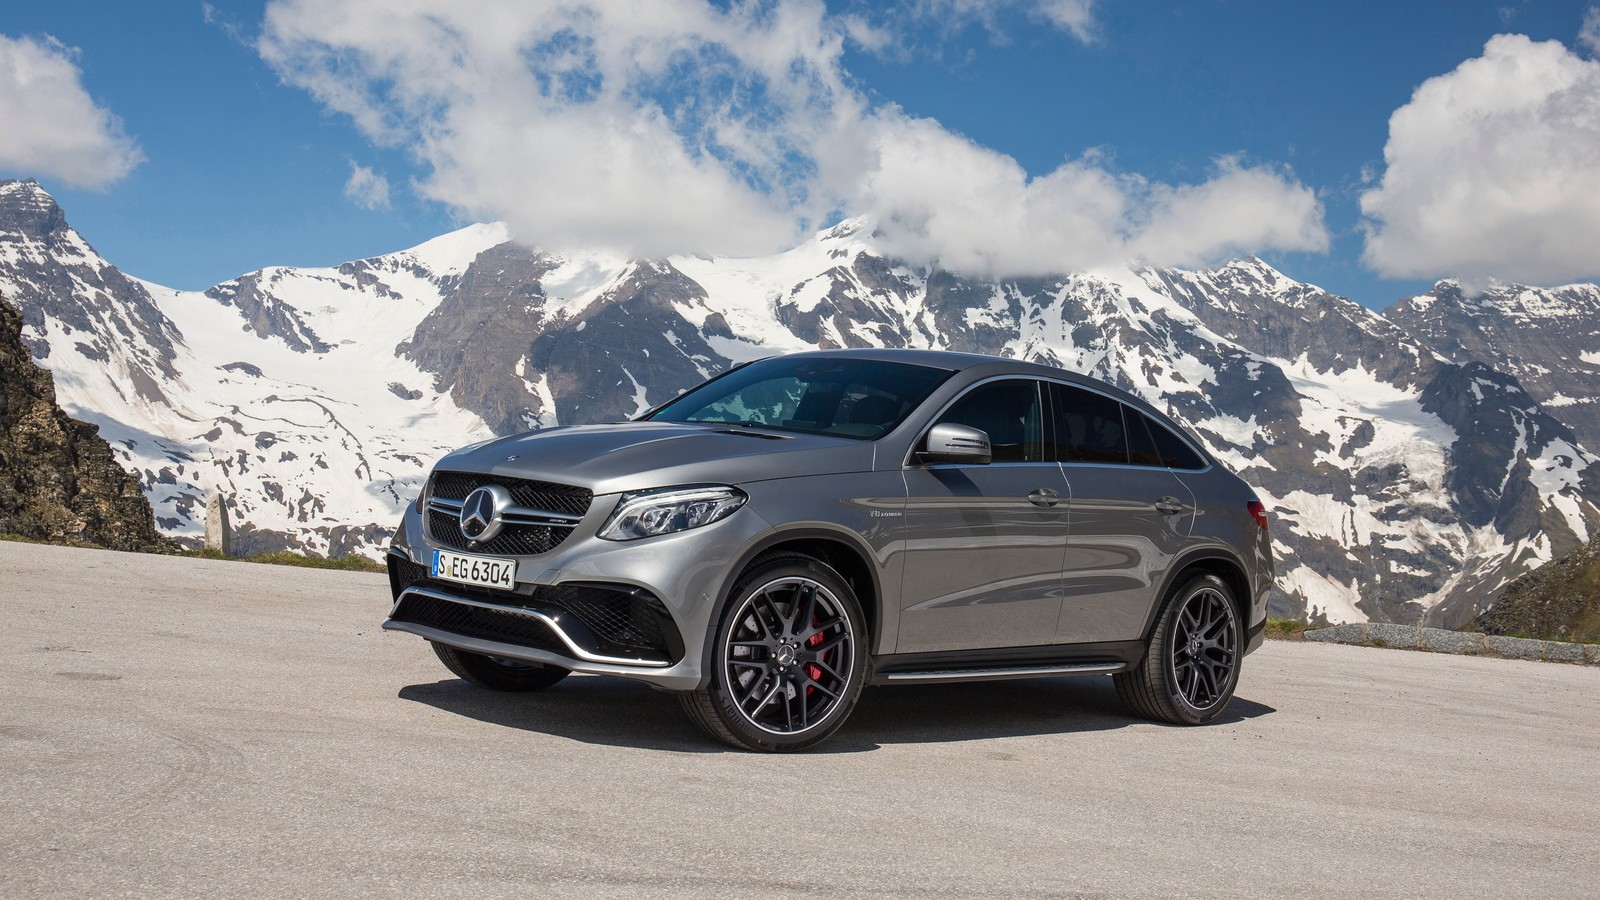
<point x="774" y="540"/>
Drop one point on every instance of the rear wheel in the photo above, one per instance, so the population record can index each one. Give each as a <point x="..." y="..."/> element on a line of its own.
<point x="789" y="658"/>
<point x="1191" y="665"/>
<point x="498" y="673"/>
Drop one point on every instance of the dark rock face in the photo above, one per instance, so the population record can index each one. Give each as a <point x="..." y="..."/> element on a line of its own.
<point x="1559" y="601"/>
<point x="59" y="481"/>
<point x="481" y="333"/>
<point x="264" y="315"/>
<point x="1253" y="305"/>
<point x="499" y="350"/>
<point x="591" y="358"/>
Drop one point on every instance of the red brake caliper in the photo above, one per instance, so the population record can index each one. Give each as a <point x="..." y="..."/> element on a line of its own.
<point x="813" y="671"/>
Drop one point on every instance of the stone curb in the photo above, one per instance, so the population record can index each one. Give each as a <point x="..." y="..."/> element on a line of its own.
<point x="1441" y="640"/>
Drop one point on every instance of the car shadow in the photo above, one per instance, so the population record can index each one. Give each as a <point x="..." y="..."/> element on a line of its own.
<point x="617" y="712"/>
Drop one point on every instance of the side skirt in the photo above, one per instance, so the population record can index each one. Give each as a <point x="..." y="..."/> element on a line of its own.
<point x="1006" y="663"/>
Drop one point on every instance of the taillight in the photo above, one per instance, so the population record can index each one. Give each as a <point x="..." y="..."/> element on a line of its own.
<point x="1258" y="511"/>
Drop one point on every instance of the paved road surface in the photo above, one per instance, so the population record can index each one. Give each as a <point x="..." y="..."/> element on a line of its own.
<point x="187" y="728"/>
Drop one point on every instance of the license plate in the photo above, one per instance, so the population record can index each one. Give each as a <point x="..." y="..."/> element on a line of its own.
<point x="484" y="571"/>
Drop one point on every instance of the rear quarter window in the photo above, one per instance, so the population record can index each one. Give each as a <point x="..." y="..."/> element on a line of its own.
<point x="1174" y="451"/>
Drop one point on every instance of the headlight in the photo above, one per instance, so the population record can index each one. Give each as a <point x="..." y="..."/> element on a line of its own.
<point x="643" y="514"/>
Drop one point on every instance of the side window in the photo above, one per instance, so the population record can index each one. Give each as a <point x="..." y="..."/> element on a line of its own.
<point x="1009" y="412"/>
<point x="1088" y="426"/>
<point x="1175" y="452"/>
<point x="1141" y="446"/>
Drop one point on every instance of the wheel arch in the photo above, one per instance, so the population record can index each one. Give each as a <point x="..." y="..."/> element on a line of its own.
<point x="1216" y="561"/>
<point x="838" y="549"/>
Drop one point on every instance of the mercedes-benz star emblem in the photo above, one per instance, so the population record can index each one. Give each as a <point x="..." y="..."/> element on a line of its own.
<point x="480" y="513"/>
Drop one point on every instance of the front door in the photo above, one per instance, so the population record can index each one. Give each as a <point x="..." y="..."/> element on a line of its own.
<point x="985" y="543"/>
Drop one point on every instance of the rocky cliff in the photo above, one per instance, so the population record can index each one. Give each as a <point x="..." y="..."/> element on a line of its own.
<point x="59" y="480"/>
<point x="1559" y="601"/>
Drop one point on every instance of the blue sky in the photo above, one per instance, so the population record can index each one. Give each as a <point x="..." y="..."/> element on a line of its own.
<point x="248" y="133"/>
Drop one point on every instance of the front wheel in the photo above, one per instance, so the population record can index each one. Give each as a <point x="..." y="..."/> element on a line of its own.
<point x="496" y="673"/>
<point x="1191" y="665"/>
<point x="789" y="659"/>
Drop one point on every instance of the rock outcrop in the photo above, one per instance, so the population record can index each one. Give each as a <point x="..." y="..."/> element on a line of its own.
<point x="59" y="481"/>
<point x="1558" y="601"/>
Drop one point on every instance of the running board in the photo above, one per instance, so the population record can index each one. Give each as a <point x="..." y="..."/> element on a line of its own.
<point x="949" y="675"/>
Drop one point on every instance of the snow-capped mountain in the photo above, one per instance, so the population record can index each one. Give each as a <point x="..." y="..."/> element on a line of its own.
<point x="1549" y="338"/>
<point x="1404" y="484"/>
<point x="299" y="411"/>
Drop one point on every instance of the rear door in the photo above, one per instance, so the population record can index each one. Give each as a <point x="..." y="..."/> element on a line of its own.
<point x="985" y="543"/>
<point x="1130" y="516"/>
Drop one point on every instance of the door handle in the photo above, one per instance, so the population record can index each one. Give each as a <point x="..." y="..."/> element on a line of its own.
<point x="1043" y="497"/>
<point x="1169" y="506"/>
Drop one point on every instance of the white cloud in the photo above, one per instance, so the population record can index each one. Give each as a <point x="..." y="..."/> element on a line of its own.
<point x="1242" y="209"/>
<point x="937" y="195"/>
<point x="1075" y="17"/>
<point x="682" y="126"/>
<point x="366" y="188"/>
<point x="49" y="125"/>
<point x="1589" y="32"/>
<point x="651" y="126"/>
<point x="1493" y="170"/>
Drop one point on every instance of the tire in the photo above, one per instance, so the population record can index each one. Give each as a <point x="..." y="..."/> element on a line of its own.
<point x="498" y="674"/>
<point x="1191" y="665"/>
<point x="788" y="661"/>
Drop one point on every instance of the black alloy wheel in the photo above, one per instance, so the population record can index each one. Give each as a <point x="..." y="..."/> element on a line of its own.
<point x="1205" y="650"/>
<point x="497" y="673"/>
<point x="788" y="661"/>
<point x="1191" y="665"/>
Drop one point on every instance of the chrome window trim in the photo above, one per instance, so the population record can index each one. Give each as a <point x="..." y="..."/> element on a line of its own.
<point x="992" y="465"/>
<point x="1140" y="468"/>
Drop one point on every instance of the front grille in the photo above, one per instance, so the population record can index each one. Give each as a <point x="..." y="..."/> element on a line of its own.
<point x="621" y="621"/>
<point x="513" y="540"/>
<point x="475" y="621"/>
<point x="559" y="498"/>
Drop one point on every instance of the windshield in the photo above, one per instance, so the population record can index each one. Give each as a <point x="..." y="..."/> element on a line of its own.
<point x="853" y="398"/>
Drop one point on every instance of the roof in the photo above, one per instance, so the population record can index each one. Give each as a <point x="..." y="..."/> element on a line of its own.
<point x="956" y="361"/>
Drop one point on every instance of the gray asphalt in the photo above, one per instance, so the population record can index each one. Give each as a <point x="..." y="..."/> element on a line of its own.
<point x="189" y="728"/>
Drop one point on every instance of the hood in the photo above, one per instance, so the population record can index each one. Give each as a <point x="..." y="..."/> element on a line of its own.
<point x="633" y="456"/>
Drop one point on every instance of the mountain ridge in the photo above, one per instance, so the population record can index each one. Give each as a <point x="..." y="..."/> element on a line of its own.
<point x="1406" y="485"/>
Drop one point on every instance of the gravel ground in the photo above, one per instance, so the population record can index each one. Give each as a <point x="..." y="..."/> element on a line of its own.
<point x="191" y="728"/>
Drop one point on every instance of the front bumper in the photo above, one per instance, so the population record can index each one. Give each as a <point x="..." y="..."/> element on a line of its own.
<point x="591" y="622"/>
<point x="636" y="609"/>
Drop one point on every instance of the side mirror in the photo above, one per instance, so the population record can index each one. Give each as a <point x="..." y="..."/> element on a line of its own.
<point x="952" y="443"/>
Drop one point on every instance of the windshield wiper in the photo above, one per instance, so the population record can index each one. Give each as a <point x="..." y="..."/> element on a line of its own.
<point x="749" y="433"/>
